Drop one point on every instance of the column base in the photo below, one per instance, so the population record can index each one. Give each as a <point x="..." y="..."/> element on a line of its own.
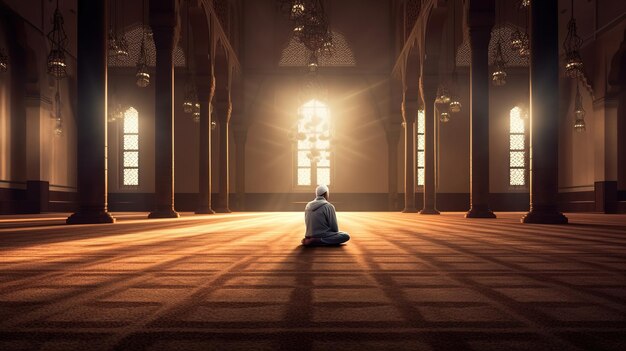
<point x="90" y="217"/>
<point x="223" y="210"/>
<point x="164" y="214"/>
<point x="544" y="217"/>
<point x="429" y="211"/>
<point x="205" y="211"/>
<point x="475" y="212"/>
<point x="409" y="210"/>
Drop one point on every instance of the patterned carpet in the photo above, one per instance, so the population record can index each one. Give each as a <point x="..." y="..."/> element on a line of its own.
<point x="241" y="281"/>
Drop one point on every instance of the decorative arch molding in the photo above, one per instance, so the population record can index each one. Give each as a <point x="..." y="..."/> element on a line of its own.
<point x="295" y="54"/>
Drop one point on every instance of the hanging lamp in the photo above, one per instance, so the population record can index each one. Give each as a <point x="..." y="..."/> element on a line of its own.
<point x="443" y="95"/>
<point x="498" y="77"/>
<point x="143" y="76"/>
<point x="57" y="66"/>
<point x="572" y="44"/>
<point x="4" y="61"/>
<point x="579" y="112"/>
<point x="444" y="117"/>
<point x="455" y="103"/>
<point x="191" y="96"/>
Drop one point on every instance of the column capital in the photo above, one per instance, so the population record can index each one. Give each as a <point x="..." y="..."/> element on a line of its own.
<point x="409" y="110"/>
<point x="206" y="86"/>
<point x="223" y="109"/>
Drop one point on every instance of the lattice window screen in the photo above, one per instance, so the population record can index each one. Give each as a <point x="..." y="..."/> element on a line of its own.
<point x="133" y="37"/>
<point x="463" y="57"/>
<point x="518" y="148"/>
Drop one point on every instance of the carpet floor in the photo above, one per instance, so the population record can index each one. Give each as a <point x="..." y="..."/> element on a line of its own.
<point x="242" y="281"/>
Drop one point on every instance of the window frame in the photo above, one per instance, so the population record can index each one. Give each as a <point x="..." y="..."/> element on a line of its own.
<point x="122" y="150"/>
<point x="525" y="150"/>
<point x="420" y="115"/>
<point x="313" y="166"/>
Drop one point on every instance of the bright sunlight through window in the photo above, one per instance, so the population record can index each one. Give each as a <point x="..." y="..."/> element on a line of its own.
<point x="313" y="139"/>
<point x="518" y="149"/>
<point x="130" y="167"/>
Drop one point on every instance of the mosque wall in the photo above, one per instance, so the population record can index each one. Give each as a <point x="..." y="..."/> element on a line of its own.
<point x="37" y="165"/>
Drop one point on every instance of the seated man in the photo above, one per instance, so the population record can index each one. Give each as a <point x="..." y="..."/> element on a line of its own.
<point x="321" y="221"/>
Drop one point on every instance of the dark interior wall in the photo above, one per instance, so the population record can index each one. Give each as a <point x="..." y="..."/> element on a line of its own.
<point x="361" y="160"/>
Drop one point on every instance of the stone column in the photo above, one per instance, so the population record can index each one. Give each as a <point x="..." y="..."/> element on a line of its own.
<point x="621" y="134"/>
<point x="91" y="121"/>
<point x="479" y="35"/>
<point x="544" y="109"/>
<point x="429" y="87"/>
<point x="393" y="137"/>
<point x="605" y="127"/>
<point x="223" y="109"/>
<point x="205" y="92"/>
<point x="240" y="133"/>
<point x="163" y="21"/>
<point x="409" y="114"/>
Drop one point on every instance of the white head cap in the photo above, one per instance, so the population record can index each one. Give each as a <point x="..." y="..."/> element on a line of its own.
<point x="321" y="189"/>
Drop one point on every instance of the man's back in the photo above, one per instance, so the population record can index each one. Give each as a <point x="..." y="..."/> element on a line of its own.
<point x="321" y="221"/>
<point x="320" y="218"/>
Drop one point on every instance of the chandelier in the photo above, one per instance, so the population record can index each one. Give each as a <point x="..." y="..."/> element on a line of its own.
<point x="524" y="50"/>
<point x="57" y="66"/>
<point x="498" y="77"/>
<point x="579" y="112"/>
<point x="142" y="75"/>
<point x="191" y="96"/>
<point x="454" y="106"/>
<point x="4" y="61"/>
<point x="573" y="61"/>
<point x="444" y="117"/>
<point x="118" y="46"/>
<point x="310" y="24"/>
<point x="520" y="42"/>
<point x="443" y="95"/>
<point x="196" y="112"/>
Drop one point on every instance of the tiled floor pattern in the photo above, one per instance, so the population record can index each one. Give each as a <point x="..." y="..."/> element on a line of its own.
<point x="242" y="282"/>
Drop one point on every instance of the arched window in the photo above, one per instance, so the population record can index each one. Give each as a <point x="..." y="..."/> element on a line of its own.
<point x="421" y="142"/>
<point x="518" y="148"/>
<point x="313" y="154"/>
<point x="130" y="148"/>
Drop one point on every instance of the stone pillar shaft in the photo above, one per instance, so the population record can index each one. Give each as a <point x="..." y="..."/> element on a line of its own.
<point x="91" y="117"/>
<point x="409" y="111"/>
<point x="164" y="39"/>
<point x="430" y="117"/>
<point x="544" y="108"/>
<point x="393" y="137"/>
<point x="479" y="37"/>
<point x="223" y="111"/>
<point x="241" y="135"/>
<point x="204" y="176"/>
